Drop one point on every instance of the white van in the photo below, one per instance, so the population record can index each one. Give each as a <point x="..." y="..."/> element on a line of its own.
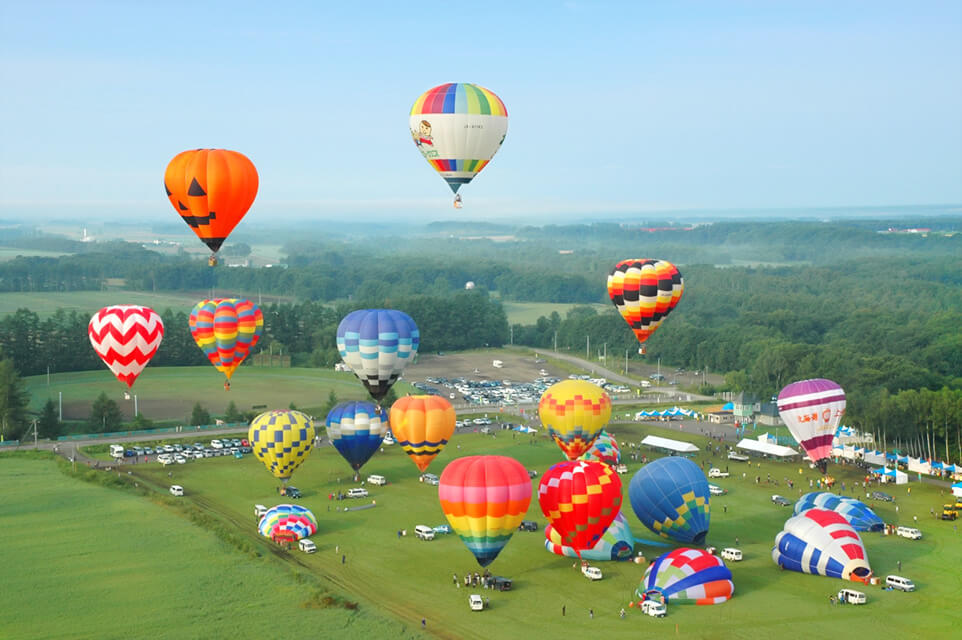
<point x="730" y="553"/>
<point x="378" y="480"/>
<point x="307" y="545"/>
<point x="424" y="532"/>
<point x="357" y="492"/>
<point x="116" y="451"/>
<point x="851" y="596"/>
<point x="654" y="608"/>
<point x="592" y="573"/>
<point x="259" y="510"/>
<point x="909" y="532"/>
<point x="176" y="490"/>
<point x="900" y="583"/>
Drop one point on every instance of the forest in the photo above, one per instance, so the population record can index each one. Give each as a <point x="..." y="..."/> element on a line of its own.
<point x="764" y="304"/>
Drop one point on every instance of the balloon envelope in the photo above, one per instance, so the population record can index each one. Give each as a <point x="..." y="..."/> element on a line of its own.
<point x="126" y="337"/>
<point x="645" y="291"/>
<point x="377" y="344"/>
<point x="458" y="127"/>
<point x="687" y="576"/>
<point x="484" y="499"/>
<point x="211" y="189"/>
<point x="670" y="496"/>
<point x="281" y="440"/>
<point x="617" y="543"/>
<point x="812" y="410"/>
<point x="822" y="542"/>
<point x="288" y="521"/>
<point x="422" y="425"/>
<point x="574" y="412"/>
<point x="580" y="499"/>
<point x="858" y="514"/>
<point x="603" y="449"/>
<point x="356" y="430"/>
<point x="226" y="330"/>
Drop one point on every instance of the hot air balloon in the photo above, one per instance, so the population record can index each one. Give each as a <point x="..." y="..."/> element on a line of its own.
<point x="645" y="290"/>
<point x="687" y="576"/>
<point x="822" y="542"/>
<point x="377" y="344"/>
<point x="575" y="412"/>
<point x="211" y="189"/>
<point x="670" y="497"/>
<point x="287" y="522"/>
<point x="812" y="409"/>
<point x="617" y="543"/>
<point x="422" y="425"/>
<point x="484" y="499"/>
<point x="603" y="449"/>
<point x="858" y="514"/>
<point x="356" y="430"/>
<point x="458" y="127"/>
<point x="281" y="440"/>
<point x="580" y="499"/>
<point x="126" y="337"/>
<point x="226" y="330"/>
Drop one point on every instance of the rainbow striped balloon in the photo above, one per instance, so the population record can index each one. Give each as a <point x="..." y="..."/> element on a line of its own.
<point x="458" y="127"/>
<point x="687" y="575"/>
<point x="226" y="330"/>
<point x="287" y="521"/>
<point x="484" y="499"/>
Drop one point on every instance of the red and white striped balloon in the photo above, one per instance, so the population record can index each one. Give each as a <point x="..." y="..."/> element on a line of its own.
<point x="126" y="337"/>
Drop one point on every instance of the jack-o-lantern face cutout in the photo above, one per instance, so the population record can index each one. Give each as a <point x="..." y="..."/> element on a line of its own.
<point x="211" y="189"/>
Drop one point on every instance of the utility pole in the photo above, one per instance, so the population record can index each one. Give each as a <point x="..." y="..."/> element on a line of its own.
<point x="556" y="340"/>
<point x="60" y="402"/>
<point x="606" y="354"/>
<point x="588" y="347"/>
<point x="626" y="361"/>
<point x="512" y="333"/>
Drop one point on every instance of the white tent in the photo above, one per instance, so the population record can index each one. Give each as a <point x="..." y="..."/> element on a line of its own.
<point x="957" y="489"/>
<point x="667" y="443"/>
<point x="764" y="447"/>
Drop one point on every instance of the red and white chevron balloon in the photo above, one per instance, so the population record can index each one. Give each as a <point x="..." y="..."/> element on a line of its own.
<point x="126" y="337"/>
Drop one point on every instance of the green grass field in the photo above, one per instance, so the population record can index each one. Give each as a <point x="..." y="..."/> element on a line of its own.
<point x="529" y="312"/>
<point x="407" y="579"/>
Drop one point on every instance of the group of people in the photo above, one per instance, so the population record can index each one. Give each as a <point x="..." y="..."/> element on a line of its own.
<point x="475" y="579"/>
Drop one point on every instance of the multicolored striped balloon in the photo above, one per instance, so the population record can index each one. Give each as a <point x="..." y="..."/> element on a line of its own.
<point x="356" y="430"/>
<point x="644" y="291"/>
<point x="574" y="412"/>
<point x="287" y="521"/>
<point x="858" y="514"/>
<point x="281" y="440"/>
<point x="377" y="344"/>
<point x="617" y="543"/>
<point x="226" y="330"/>
<point x="458" y="127"/>
<point x="687" y="576"/>
<point x="422" y="425"/>
<point x="603" y="449"/>
<point x="484" y="499"/>
<point x="822" y="542"/>
<point x="812" y="410"/>
<point x="670" y="496"/>
<point x="580" y="499"/>
<point x="126" y="337"/>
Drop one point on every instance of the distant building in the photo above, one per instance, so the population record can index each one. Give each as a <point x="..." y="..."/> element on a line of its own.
<point x="744" y="407"/>
<point x="469" y="285"/>
<point x="768" y="415"/>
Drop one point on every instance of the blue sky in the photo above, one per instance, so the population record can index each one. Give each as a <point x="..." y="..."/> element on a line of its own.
<point x="615" y="108"/>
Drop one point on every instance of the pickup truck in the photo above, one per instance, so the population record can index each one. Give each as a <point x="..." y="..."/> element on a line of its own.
<point x="717" y="473"/>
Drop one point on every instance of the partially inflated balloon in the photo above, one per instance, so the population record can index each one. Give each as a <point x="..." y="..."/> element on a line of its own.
<point x="422" y="425"/>
<point x="645" y="290"/>
<point x="458" y="127"/>
<point x="670" y="496"/>
<point x="822" y="542"/>
<point x="377" y="344"/>
<point x="580" y="499"/>
<point x="603" y="449"/>
<point x="812" y="410"/>
<point x="211" y="189"/>
<point x="858" y="514"/>
<point x="126" y="337"/>
<point x="356" y="430"/>
<point x="687" y="575"/>
<point x="281" y="440"/>
<point x="484" y="499"/>
<point x="287" y="521"/>
<point x="616" y="543"/>
<point x="575" y="412"/>
<point x="226" y="330"/>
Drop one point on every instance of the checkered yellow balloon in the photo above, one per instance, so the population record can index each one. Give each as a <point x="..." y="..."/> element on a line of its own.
<point x="281" y="440"/>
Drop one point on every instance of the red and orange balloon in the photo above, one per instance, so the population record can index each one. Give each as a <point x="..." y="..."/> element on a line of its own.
<point x="422" y="425"/>
<point x="580" y="499"/>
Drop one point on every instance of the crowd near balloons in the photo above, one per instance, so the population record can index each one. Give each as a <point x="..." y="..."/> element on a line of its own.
<point x="458" y="128"/>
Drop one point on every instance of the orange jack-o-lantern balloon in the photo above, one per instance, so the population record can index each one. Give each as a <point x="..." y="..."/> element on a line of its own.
<point x="211" y="189"/>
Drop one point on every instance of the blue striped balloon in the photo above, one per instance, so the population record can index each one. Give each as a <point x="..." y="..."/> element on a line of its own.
<point x="356" y="430"/>
<point x="858" y="514"/>
<point x="377" y="344"/>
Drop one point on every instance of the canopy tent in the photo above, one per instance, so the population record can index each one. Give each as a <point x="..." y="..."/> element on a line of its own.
<point x="892" y="475"/>
<point x="730" y="406"/>
<point x="667" y="443"/>
<point x="874" y="457"/>
<point x="957" y="489"/>
<point x="670" y="413"/>
<point x="767" y="448"/>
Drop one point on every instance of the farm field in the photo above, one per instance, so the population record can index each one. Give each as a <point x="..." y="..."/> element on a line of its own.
<point x="529" y="312"/>
<point x="408" y="579"/>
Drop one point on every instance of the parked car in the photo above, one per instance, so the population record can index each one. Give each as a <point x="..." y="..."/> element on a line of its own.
<point x="180" y="459"/>
<point x="429" y="478"/>
<point x="216" y="444"/>
<point x="357" y="492"/>
<point x="500" y="583"/>
<point x="528" y="525"/>
<point x="176" y="490"/>
<point x="781" y="501"/>
<point x="909" y="532"/>
<point x="532" y="473"/>
<point x="732" y="554"/>
<point x="900" y="583"/>
<point x="259" y="510"/>
<point x="715" y="490"/>
<point x="291" y="492"/>
<point x="592" y="573"/>
<point x="654" y="608"/>
<point x="376" y="480"/>
<point x="717" y="473"/>
<point x="851" y="596"/>
<point x="424" y="532"/>
<point x="307" y="545"/>
<point x="442" y="528"/>
<point x="475" y="602"/>
<point x="880" y="495"/>
<point x="737" y="457"/>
